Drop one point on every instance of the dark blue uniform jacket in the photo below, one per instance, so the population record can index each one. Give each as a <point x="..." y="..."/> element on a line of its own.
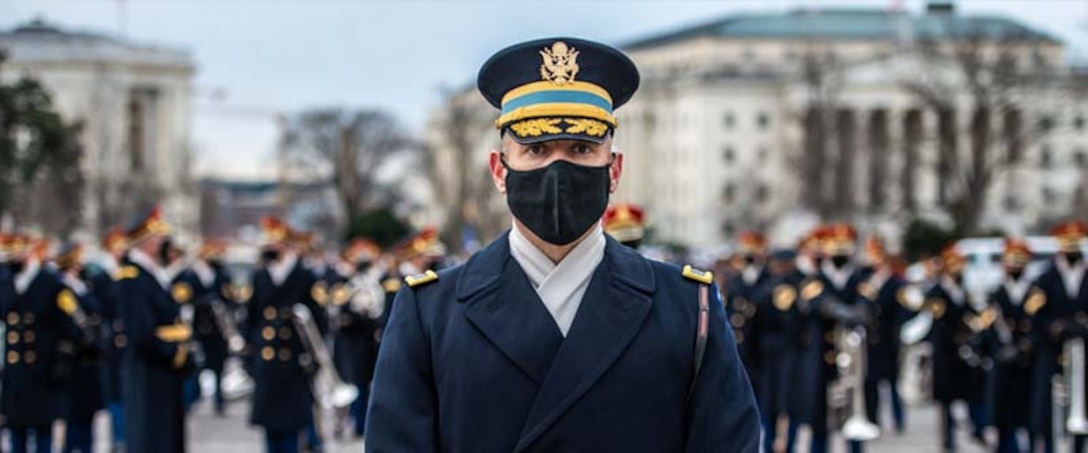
<point x="473" y="362"/>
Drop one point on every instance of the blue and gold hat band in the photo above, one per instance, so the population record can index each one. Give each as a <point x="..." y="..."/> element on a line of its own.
<point x="547" y="99"/>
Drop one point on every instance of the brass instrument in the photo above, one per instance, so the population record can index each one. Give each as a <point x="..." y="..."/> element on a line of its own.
<point x="329" y="390"/>
<point x="1075" y="421"/>
<point x="236" y="383"/>
<point x="846" y="395"/>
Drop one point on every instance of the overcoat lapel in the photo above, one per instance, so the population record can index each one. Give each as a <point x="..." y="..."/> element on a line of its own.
<point x="610" y="316"/>
<point x="508" y="311"/>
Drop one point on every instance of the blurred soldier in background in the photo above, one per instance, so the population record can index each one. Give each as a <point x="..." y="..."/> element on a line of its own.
<point x="84" y="398"/>
<point x="955" y="359"/>
<point x="775" y="335"/>
<point x="40" y="345"/>
<point x="1014" y="353"/>
<point x="892" y="306"/>
<point x="283" y="400"/>
<point x="205" y="282"/>
<point x="625" y="223"/>
<point x="741" y="293"/>
<point x="1059" y="315"/>
<point x="158" y="359"/>
<point x="101" y="277"/>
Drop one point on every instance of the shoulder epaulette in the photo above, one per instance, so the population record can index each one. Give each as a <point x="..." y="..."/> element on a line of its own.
<point x="784" y="296"/>
<point x="319" y="292"/>
<point x="67" y="302"/>
<point x="127" y="272"/>
<point x="1036" y="300"/>
<point x="812" y="289"/>
<point x="704" y="277"/>
<point x="391" y="285"/>
<point x="868" y="291"/>
<point x="421" y="279"/>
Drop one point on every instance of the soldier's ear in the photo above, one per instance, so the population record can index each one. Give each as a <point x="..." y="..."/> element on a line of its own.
<point x="615" y="171"/>
<point x="498" y="171"/>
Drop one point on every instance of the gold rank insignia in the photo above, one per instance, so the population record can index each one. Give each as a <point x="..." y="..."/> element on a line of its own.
<point x="67" y="303"/>
<point x="936" y="306"/>
<point x="319" y="293"/>
<point x="784" y="297"/>
<point x="181" y="292"/>
<point x="1035" y="302"/>
<point x="704" y="277"/>
<point x="868" y="291"/>
<point x="560" y="63"/>
<point x="127" y="272"/>
<point x="391" y="285"/>
<point x="420" y="279"/>
<point x="812" y="290"/>
<point x="339" y="294"/>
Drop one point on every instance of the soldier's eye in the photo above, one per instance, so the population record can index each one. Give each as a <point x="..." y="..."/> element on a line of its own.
<point x="583" y="149"/>
<point x="535" y="150"/>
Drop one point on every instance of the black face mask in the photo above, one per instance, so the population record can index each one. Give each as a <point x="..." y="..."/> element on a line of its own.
<point x="749" y="259"/>
<point x="1073" y="258"/>
<point x="215" y="264"/>
<point x="363" y="266"/>
<point x="269" y="255"/>
<point x="16" y="266"/>
<point x="1015" y="274"/>
<point x="559" y="202"/>
<point x="164" y="252"/>
<point x="840" y="261"/>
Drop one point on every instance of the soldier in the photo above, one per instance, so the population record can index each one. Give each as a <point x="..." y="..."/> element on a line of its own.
<point x="100" y="277"/>
<point x="1059" y="313"/>
<point x="1014" y="352"/>
<point x="741" y="292"/>
<point x="832" y="304"/>
<point x="555" y="337"/>
<point x="40" y="345"/>
<point x="283" y="398"/>
<point x="955" y="359"/>
<point x="624" y="222"/>
<point x="893" y="302"/>
<point x="85" y="394"/>
<point x="157" y="358"/>
<point x="204" y="284"/>
<point x="358" y="302"/>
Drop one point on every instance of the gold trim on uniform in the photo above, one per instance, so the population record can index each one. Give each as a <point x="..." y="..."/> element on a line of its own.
<point x="13" y="318"/>
<point x="936" y="306"/>
<point x="13" y="357"/>
<point x="320" y="293"/>
<point x="1035" y="302"/>
<point x="28" y="318"/>
<point x="269" y="313"/>
<point x="28" y="336"/>
<point x="738" y="336"/>
<point x="416" y="280"/>
<point x="181" y="292"/>
<point x="829" y="357"/>
<point x="267" y="353"/>
<point x="812" y="290"/>
<point x="174" y="333"/>
<point x="704" y="277"/>
<point x="737" y="320"/>
<point x="868" y="291"/>
<point x="391" y="285"/>
<point x="67" y="302"/>
<point x="30" y="357"/>
<point x="120" y="341"/>
<point x="13" y="338"/>
<point x="181" y="354"/>
<point x="285" y="333"/>
<point x="784" y="297"/>
<point x="285" y="354"/>
<point x="268" y="333"/>
<point x="340" y="294"/>
<point x="128" y="272"/>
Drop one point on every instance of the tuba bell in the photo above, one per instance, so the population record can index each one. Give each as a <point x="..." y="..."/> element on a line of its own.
<point x="329" y="390"/>
<point x="1075" y="421"/>
<point x="847" y="393"/>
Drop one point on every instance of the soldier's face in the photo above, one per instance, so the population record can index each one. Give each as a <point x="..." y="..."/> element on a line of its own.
<point x="538" y="155"/>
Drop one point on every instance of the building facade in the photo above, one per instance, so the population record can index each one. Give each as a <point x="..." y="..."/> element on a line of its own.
<point x="134" y="102"/>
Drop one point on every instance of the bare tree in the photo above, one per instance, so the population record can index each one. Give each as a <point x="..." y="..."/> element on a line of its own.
<point x="462" y="182"/>
<point x="998" y="77"/>
<point x="818" y="163"/>
<point x="343" y="149"/>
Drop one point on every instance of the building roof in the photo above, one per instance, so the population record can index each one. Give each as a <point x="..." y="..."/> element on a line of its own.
<point x="848" y="24"/>
<point x="42" y="41"/>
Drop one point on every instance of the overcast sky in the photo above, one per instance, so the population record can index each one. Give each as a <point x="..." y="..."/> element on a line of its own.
<point x="270" y="56"/>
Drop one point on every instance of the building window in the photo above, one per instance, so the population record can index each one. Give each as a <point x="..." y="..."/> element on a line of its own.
<point x="1078" y="123"/>
<point x="763" y="193"/>
<point x="1048" y="194"/>
<point x="136" y="134"/>
<point x="1080" y="157"/>
<point x="1046" y="123"/>
<point x="763" y="120"/>
<point x="1011" y="204"/>
<point x="729" y="193"/>
<point x="1046" y="157"/>
<point x="727" y="120"/>
<point x="749" y="55"/>
<point x="762" y="154"/>
<point x="728" y="155"/>
<point x="727" y="229"/>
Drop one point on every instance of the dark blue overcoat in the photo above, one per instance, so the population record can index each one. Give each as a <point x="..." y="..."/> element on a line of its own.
<point x="474" y="362"/>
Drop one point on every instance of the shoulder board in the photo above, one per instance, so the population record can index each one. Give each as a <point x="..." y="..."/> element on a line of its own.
<point x="1036" y="300"/>
<point x="986" y="318"/>
<point x="421" y="279"/>
<point x="181" y="292"/>
<point x="812" y="289"/>
<point x="704" y="277"/>
<point x="127" y="272"/>
<point x="67" y="302"/>
<point x="868" y="291"/>
<point x="391" y="285"/>
<point x="784" y="296"/>
<point x="320" y="292"/>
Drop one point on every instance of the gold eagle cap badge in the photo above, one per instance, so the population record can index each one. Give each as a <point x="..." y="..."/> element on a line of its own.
<point x="560" y="63"/>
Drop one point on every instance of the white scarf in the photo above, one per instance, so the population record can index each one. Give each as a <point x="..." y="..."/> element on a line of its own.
<point x="1071" y="276"/>
<point x="151" y="266"/>
<point x="750" y="274"/>
<point x="880" y="278"/>
<point x="954" y="291"/>
<point x="279" y="270"/>
<point x="560" y="286"/>
<point x="26" y="277"/>
<point x="205" y="273"/>
<point x="838" y="277"/>
<point x="1017" y="289"/>
<point x="74" y="283"/>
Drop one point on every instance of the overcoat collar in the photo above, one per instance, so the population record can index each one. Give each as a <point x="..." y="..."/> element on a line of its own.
<point x="500" y="301"/>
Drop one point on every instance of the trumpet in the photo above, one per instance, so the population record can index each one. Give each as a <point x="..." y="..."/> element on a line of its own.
<point x="329" y="390"/>
<point x="847" y="394"/>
